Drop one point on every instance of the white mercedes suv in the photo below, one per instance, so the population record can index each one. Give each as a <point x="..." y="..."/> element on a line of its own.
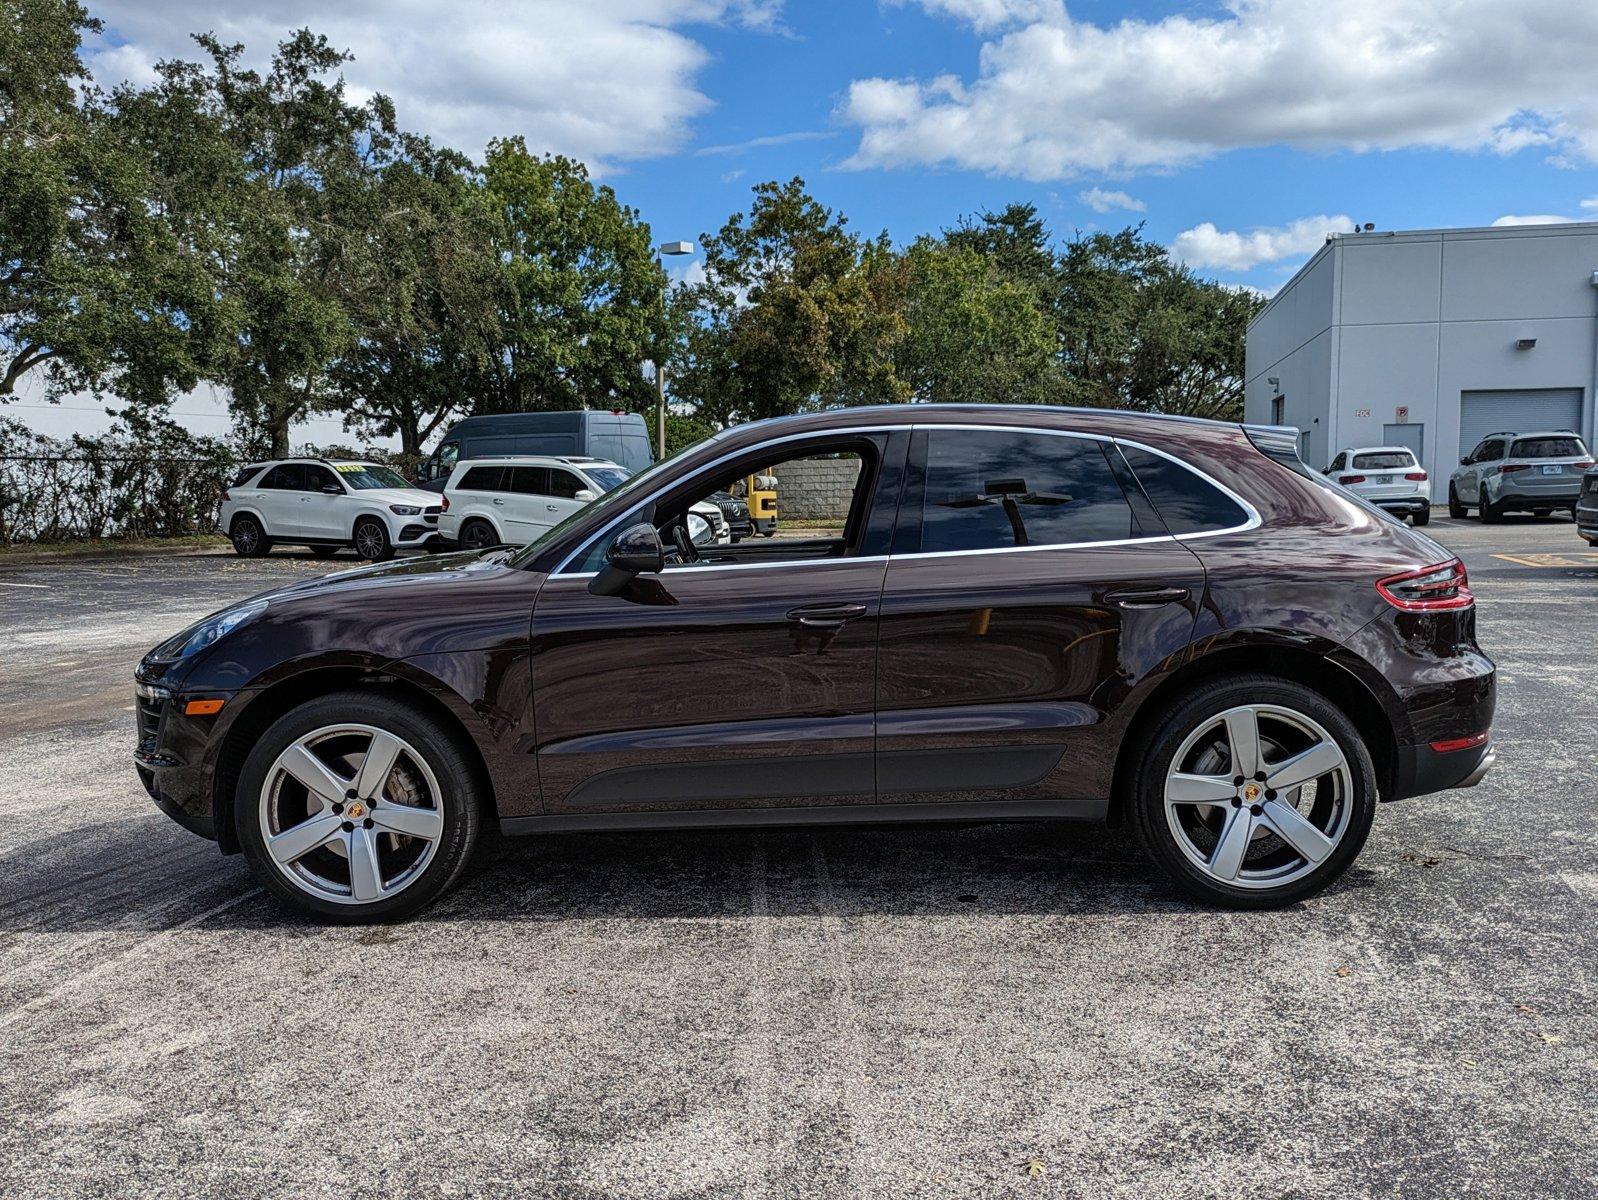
<point x="327" y="506"/>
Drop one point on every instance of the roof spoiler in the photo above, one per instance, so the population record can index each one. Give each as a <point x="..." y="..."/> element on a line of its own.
<point x="1275" y="441"/>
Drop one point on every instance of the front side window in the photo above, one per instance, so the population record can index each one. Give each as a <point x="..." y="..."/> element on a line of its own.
<point x="317" y="478"/>
<point x="998" y="490"/>
<point x="563" y="484"/>
<point x="1394" y="460"/>
<point x="1185" y="500"/>
<point x="1548" y="447"/>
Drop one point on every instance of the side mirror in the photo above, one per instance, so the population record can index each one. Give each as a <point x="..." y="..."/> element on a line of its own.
<point x="1465" y="462"/>
<point x="584" y="494"/>
<point x="636" y="551"/>
<point x="332" y="489"/>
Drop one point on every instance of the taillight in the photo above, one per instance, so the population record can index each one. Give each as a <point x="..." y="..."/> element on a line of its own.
<point x="1585" y="465"/>
<point x="1417" y="476"/>
<point x="1352" y="479"/>
<point x="1511" y="468"/>
<point x="225" y="496"/>
<point x="1439" y="588"/>
<point x="446" y="504"/>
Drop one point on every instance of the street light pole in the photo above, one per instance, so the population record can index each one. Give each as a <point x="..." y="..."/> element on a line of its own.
<point x="672" y="248"/>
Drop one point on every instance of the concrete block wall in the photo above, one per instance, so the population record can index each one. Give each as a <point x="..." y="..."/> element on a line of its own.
<point x="815" y="489"/>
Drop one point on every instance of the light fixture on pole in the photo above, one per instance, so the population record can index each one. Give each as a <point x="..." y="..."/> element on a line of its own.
<point x="671" y="248"/>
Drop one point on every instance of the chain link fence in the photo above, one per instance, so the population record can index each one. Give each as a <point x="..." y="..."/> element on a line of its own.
<point x="47" y="498"/>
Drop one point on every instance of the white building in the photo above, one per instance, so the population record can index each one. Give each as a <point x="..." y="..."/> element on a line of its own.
<point x="1431" y="339"/>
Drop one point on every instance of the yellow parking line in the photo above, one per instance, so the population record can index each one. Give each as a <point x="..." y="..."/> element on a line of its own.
<point x="1585" y="559"/>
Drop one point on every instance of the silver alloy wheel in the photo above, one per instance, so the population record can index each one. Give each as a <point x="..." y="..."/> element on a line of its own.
<point x="246" y="535"/>
<point x="351" y="814"/>
<point x="1258" y="796"/>
<point x="369" y="539"/>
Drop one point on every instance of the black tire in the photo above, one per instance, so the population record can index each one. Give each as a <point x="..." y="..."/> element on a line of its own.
<point x="1485" y="511"/>
<point x="477" y="534"/>
<point x="325" y="551"/>
<point x="370" y="538"/>
<point x="1147" y="796"/>
<point x="1456" y="507"/>
<point x="1423" y="516"/>
<point x="248" y="538"/>
<point x="447" y="757"/>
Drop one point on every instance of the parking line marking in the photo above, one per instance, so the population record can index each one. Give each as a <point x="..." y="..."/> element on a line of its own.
<point x="45" y="586"/>
<point x="760" y="1066"/>
<point x="1585" y="559"/>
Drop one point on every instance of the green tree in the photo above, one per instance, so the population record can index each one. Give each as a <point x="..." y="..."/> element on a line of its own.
<point x="972" y="335"/>
<point x="97" y="288"/>
<point x="429" y="298"/>
<point x="583" y="294"/>
<point x="787" y="318"/>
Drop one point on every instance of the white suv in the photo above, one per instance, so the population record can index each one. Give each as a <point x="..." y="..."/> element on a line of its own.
<point x="514" y="499"/>
<point x="1386" y="476"/>
<point x="326" y="506"/>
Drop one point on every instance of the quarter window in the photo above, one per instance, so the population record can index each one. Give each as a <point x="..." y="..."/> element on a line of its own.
<point x="996" y="490"/>
<point x="1186" y="501"/>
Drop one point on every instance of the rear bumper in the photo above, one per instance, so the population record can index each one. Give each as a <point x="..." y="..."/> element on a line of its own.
<point x="1422" y="770"/>
<point x="1518" y="496"/>
<point x="1408" y="505"/>
<point x="1587" y="518"/>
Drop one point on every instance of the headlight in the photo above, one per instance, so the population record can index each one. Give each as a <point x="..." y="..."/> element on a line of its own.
<point x="209" y="631"/>
<point x="403" y="510"/>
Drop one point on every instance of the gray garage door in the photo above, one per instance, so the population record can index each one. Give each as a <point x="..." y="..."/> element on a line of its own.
<point x="1413" y="436"/>
<point x="1481" y="413"/>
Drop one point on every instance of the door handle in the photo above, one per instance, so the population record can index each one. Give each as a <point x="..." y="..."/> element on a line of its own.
<point x="497" y="500"/>
<point x="826" y="616"/>
<point x="552" y="508"/>
<point x="1153" y="597"/>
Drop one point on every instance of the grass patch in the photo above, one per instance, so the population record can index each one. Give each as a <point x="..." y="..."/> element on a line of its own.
<point x="111" y="547"/>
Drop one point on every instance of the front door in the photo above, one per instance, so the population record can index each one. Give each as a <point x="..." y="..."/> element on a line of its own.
<point x="325" y="514"/>
<point x="742" y="680"/>
<point x="1025" y="596"/>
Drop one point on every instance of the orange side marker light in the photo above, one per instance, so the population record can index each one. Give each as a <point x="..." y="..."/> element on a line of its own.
<point x="203" y="708"/>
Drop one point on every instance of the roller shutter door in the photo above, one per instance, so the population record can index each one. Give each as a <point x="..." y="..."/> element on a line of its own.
<point x="1527" y="411"/>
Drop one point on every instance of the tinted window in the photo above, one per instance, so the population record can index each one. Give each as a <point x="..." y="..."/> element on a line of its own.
<point x="606" y="478"/>
<point x="1337" y="463"/>
<point x="563" y="484"/>
<point x="1384" y="462"/>
<point x="481" y="479"/>
<point x="1187" y="502"/>
<point x="529" y="481"/>
<point x="1548" y="447"/>
<point x="317" y="478"/>
<point x="364" y="476"/>
<point x="286" y="477"/>
<point x="1490" y="452"/>
<point x="245" y="474"/>
<point x="987" y="490"/>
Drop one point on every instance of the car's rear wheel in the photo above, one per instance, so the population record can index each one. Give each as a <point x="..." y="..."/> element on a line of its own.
<point x="248" y="538"/>
<point x="478" y="535"/>
<point x="357" y="808"/>
<point x="371" y="540"/>
<point x="1255" y="792"/>
<point x="1488" y="514"/>
<point x="1423" y="516"/>
<point x="1456" y="506"/>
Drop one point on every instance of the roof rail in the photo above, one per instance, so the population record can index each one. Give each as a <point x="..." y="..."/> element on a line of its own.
<point x="1500" y="433"/>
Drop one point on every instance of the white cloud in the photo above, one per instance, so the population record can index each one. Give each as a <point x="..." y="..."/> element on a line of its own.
<point x="1101" y="201"/>
<point x="1542" y="219"/>
<point x="1590" y="204"/>
<point x="603" y="82"/>
<point x="1233" y="250"/>
<point x="772" y="139"/>
<point x="1059" y="97"/>
<point x="984" y="15"/>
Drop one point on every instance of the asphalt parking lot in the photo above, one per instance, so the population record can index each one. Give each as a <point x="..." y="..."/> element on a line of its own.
<point x="1014" y="1010"/>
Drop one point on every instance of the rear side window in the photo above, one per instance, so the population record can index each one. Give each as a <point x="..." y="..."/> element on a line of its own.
<point x="1393" y="461"/>
<point x="1186" y="501"/>
<point x="286" y="477"/>
<point x="995" y="490"/>
<point x="481" y="479"/>
<point x="1548" y="447"/>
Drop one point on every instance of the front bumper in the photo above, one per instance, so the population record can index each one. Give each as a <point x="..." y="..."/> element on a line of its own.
<point x="169" y="754"/>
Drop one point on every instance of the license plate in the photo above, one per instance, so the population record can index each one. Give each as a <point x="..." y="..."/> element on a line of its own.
<point x="1553" y="469"/>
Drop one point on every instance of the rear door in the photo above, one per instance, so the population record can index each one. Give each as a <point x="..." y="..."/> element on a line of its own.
<point x="1030" y="587"/>
<point x="480" y="495"/>
<point x="279" y="500"/>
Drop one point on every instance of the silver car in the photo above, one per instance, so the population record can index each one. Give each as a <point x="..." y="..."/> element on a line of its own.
<point x="1587" y="508"/>
<point x="1519" y="472"/>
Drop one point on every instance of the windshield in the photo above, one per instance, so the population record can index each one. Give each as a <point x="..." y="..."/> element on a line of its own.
<point x="1384" y="462"/>
<point x="369" y="475"/>
<point x="1548" y="447"/>
<point x="607" y="477"/>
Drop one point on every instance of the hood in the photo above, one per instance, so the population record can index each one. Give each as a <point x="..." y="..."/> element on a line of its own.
<point x="424" y="571"/>
<point x="414" y="496"/>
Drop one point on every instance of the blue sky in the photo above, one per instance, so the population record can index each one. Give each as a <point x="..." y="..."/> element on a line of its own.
<point x="1240" y="133"/>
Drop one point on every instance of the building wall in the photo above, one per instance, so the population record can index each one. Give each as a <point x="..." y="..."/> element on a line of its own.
<point x="816" y="489"/>
<point x="1415" y="319"/>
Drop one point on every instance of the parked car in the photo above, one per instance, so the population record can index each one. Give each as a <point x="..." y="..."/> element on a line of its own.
<point x="736" y="513"/>
<point x="615" y="437"/>
<point x="327" y="506"/>
<point x="1388" y="477"/>
<point x="1031" y="613"/>
<point x="516" y="499"/>
<point x="1587" y="508"/>
<point x="1519" y="472"/>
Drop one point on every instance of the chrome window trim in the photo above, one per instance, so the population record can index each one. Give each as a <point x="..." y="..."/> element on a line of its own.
<point x="1253" y="522"/>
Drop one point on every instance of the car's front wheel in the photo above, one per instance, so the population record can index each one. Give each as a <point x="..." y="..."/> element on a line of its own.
<point x="371" y="540"/>
<point x="1255" y="792"/>
<point x="357" y="808"/>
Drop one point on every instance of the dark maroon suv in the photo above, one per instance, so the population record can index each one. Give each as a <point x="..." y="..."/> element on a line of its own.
<point x="999" y="613"/>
